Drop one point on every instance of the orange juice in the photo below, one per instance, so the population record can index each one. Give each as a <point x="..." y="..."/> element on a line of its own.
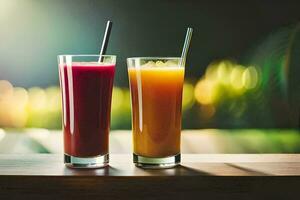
<point x="156" y="97"/>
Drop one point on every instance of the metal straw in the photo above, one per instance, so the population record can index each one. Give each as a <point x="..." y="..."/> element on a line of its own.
<point x="186" y="46"/>
<point x="105" y="40"/>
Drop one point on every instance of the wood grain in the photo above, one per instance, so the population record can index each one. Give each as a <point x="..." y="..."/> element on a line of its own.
<point x="215" y="176"/>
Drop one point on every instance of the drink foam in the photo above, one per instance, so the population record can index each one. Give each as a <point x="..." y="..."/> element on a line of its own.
<point x="160" y="64"/>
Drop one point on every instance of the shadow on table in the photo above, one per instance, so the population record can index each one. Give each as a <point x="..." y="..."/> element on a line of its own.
<point x="179" y="170"/>
<point x="185" y="170"/>
<point x="135" y="171"/>
<point x="252" y="172"/>
<point x="105" y="171"/>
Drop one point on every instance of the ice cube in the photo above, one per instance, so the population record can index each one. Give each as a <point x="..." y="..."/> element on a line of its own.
<point x="160" y="63"/>
<point x="149" y="64"/>
<point x="171" y="63"/>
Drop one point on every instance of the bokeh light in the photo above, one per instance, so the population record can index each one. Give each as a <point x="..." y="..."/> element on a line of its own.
<point x="207" y="111"/>
<point x="6" y="89"/>
<point x="18" y="107"/>
<point x="187" y="96"/>
<point x="117" y="100"/>
<point x="236" y="76"/>
<point x="224" y="68"/>
<point x="206" y="91"/>
<point x="250" y="78"/>
<point x="224" y="86"/>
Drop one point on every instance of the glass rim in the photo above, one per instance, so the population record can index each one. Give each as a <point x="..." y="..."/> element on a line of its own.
<point x="86" y="55"/>
<point x="155" y="58"/>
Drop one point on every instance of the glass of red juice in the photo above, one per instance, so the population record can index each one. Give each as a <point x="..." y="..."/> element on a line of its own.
<point x="86" y="83"/>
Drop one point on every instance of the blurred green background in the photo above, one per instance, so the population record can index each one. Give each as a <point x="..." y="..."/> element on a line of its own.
<point x="242" y="70"/>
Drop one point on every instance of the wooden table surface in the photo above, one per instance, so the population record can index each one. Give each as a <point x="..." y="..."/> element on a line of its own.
<point x="208" y="176"/>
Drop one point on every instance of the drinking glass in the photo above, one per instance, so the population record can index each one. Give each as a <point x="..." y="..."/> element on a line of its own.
<point x="86" y="85"/>
<point x="156" y="96"/>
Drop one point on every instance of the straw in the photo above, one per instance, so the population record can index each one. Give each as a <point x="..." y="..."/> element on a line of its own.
<point x="105" y="40"/>
<point x="186" y="46"/>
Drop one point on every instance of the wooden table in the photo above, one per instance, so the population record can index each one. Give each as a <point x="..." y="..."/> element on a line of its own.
<point x="206" y="176"/>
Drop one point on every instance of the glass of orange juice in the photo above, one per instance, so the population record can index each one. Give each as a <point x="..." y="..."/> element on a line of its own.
<point x="156" y="96"/>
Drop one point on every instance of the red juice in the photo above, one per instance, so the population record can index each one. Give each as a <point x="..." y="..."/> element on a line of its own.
<point x="87" y="91"/>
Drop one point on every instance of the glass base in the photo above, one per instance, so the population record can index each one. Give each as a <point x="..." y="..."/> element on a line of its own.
<point x="156" y="163"/>
<point x="86" y="163"/>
